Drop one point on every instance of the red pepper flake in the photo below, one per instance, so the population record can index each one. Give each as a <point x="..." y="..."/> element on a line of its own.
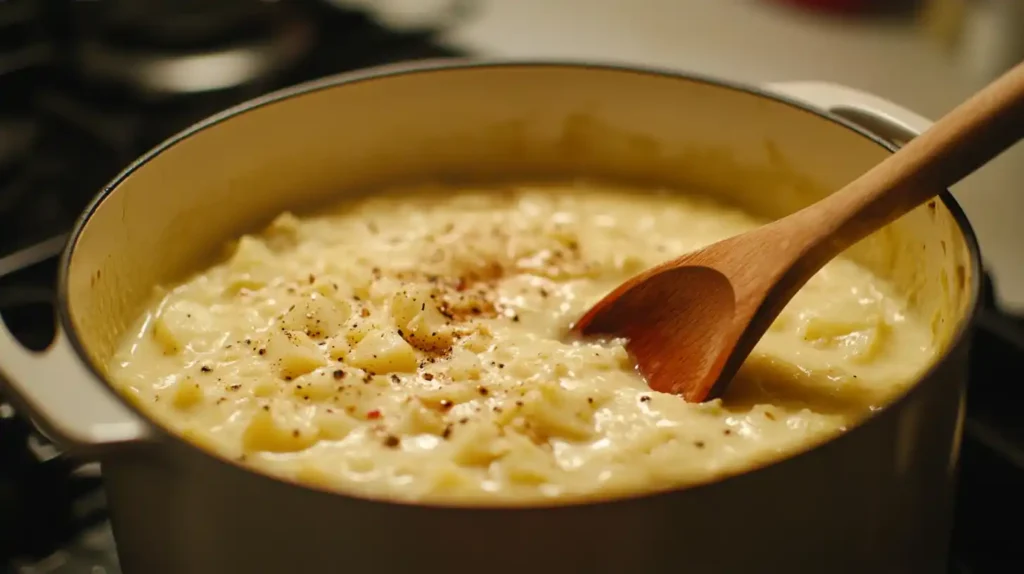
<point x="373" y="415"/>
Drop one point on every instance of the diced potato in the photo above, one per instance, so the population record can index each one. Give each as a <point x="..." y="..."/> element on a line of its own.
<point x="334" y="424"/>
<point x="283" y="231"/>
<point x="464" y="365"/>
<point x="525" y="462"/>
<point x="476" y="444"/>
<point x="293" y="353"/>
<point x="417" y="316"/>
<point x="555" y="412"/>
<point x="317" y="316"/>
<point x="359" y="328"/>
<point x="266" y="432"/>
<point x="243" y="281"/>
<point x="829" y="327"/>
<point x="419" y="419"/>
<point x="383" y="351"/>
<point x="448" y="395"/>
<point x="381" y="289"/>
<point x="865" y="346"/>
<point x="338" y="348"/>
<point x="451" y="479"/>
<point x="182" y="323"/>
<point x="266" y="387"/>
<point x="861" y="339"/>
<point x="319" y="385"/>
<point x="251" y="254"/>
<point x="315" y="476"/>
<point x="186" y="393"/>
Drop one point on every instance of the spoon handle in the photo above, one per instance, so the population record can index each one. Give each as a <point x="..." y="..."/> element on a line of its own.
<point x="972" y="134"/>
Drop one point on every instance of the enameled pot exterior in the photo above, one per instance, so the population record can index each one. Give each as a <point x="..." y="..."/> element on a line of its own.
<point x="876" y="499"/>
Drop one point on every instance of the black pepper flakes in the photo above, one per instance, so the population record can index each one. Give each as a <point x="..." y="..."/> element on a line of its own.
<point x="262" y="351"/>
<point x="645" y="399"/>
<point x="391" y="441"/>
<point x="447" y="432"/>
<point x="338" y="374"/>
<point x="235" y="387"/>
<point x="446" y="404"/>
<point x="482" y="390"/>
<point x="206" y="368"/>
<point x="698" y="444"/>
<point x="295" y="433"/>
<point x="428" y="376"/>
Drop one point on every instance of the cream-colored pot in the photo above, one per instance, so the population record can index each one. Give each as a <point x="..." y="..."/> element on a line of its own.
<point x="877" y="499"/>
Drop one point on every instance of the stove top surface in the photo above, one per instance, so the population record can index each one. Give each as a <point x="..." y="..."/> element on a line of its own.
<point x="70" y="119"/>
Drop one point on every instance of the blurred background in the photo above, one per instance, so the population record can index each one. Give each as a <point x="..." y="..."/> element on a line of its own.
<point x="88" y="85"/>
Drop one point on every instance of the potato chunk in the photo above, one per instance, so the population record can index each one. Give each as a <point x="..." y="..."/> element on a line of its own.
<point x="180" y="324"/>
<point x="293" y="353"/>
<point x="317" y="316"/>
<point x="383" y="351"/>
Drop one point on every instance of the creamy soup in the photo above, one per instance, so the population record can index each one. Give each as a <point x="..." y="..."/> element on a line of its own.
<point x="411" y="345"/>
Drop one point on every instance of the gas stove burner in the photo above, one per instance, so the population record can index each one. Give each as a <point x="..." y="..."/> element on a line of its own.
<point x="156" y="69"/>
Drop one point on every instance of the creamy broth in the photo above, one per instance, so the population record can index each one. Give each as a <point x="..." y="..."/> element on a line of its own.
<point x="411" y="345"/>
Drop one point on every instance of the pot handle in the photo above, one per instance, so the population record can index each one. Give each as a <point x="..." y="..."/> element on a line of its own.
<point x="65" y="400"/>
<point x="879" y="116"/>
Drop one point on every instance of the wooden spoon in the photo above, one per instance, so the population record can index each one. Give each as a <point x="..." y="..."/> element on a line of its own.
<point x="691" y="322"/>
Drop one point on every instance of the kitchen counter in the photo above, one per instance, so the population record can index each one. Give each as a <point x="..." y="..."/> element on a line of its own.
<point x="754" y="41"/>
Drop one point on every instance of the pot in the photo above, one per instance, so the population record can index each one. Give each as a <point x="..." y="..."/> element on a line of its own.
<point x="875" y="499"/>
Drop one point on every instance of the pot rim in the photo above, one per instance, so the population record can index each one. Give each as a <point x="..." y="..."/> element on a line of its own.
<point x="958" y="338"/>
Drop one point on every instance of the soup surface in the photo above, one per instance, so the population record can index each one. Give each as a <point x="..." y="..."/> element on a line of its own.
<point x="410" y="345"/>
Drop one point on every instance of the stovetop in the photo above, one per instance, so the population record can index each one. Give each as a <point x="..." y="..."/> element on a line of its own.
<point x="71" y="118"/>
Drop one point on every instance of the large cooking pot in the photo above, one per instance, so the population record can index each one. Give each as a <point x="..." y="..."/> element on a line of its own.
<point x="876" y="499"/>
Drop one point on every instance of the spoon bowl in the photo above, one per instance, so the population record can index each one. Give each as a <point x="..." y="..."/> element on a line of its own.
<point x="691" y="322"/>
